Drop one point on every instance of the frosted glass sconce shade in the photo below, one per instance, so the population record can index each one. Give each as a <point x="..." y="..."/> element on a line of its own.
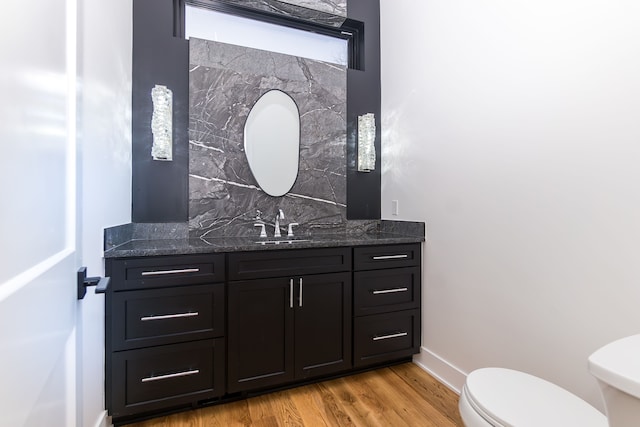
<point x="366" y="142"/>
<point x="162" y="123"/>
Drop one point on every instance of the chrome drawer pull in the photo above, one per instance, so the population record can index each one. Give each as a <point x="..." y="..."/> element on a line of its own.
<point x="386" y="337"/>
<point x="163" y="272"/>
<point x="290" y="293"/>
<point x="300" y="287"/>
<point x="166" y="377"/>
<point x="380" y="257"/>
<point x="390" y="291"/>
<point x="169" y="316"/>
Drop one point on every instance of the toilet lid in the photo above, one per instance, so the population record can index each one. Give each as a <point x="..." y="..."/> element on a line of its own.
<point x="505" y="397"/>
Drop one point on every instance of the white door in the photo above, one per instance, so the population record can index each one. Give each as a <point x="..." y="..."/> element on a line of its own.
<point x="38" y="243"/>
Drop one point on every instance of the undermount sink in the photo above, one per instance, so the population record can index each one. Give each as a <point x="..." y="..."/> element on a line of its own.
<point x="278" y="242"/>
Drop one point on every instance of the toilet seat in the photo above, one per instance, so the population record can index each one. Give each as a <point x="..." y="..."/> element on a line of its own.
<point x="504" y="397"/>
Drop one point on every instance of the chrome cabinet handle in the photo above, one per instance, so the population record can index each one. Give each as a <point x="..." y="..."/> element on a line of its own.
<point x="169" y="316"/>
<point x="300" y="300"/>
<point x="386" y="337"/>
<point x="163" y="272"/>
<point x="389" y="291"/>
<point x="290" y="293"/>
<point x="381" y="257"/>
<point x="168" y="376"/>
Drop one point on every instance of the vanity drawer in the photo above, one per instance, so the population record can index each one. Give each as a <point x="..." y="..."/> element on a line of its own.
<point x="162" y="271"/>
<point x="167" y="315"/>
<point x="283" y="263"/>
<point x="166" y="376"/>
<point x="384" y="337"/>
<point x="388" y="256"/>
<point x="380" y="291"/>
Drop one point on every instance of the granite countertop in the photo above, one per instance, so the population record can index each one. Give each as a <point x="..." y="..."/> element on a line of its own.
<point x="150" y="245"/>
<point x="138" y="248"/>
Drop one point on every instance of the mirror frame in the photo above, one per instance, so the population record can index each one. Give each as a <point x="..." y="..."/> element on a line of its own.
<point x="266" y="185"/>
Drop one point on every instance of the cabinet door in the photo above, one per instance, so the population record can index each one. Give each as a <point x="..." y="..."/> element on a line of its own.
<point x="288" y="263"/>
<point x="387" y="256"/>
<point x="166" y="376"/>
<point x="383" y="291"/>
<point x="260" y="334"/>
<point x="166" y="315"/>
<point x="385" y="337"/>
<point x="322" y="324"/>
<point x="163" y="271"/>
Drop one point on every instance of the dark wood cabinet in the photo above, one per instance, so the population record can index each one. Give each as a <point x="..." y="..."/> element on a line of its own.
<point x="285" y="263"/>
<point x="260" y="334"/>
<point x="386" y="256"/>
<point x="167" y="376"/>
<point x="290" y="328"/>
<point x="383" y="337"/>
<point x="164" y="333"/>
<point x="322" y="325"/>
<point x="386" y="324"/>
<point x="164" y="271"/>
<point x="382" y="291"/>
<point x="187" y="330"/>
<point x="167" y="315"/>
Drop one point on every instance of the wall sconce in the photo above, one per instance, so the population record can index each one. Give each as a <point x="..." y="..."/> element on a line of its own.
<point x="162" y="123"/>
<point x="366" y="142"/>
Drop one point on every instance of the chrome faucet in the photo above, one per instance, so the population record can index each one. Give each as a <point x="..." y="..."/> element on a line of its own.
<point x="279" y="216"/>
<point x="290" y="232"/>
<point x="260" y="223"/>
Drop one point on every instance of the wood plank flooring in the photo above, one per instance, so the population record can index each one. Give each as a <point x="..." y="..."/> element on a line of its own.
<point x="402" y="395"/>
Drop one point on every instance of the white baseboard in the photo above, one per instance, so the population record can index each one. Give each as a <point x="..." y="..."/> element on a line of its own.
<point x="103" y="420"/>
<point x="440" y="369"/>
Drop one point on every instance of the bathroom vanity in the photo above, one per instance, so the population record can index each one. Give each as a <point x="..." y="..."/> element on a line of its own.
<point x="193" y="320"/>
<point x="190" y="324"/>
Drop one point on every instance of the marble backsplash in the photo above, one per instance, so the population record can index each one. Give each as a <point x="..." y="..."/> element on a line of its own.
<point x="326" y="12"/>
<point x="224" y="83"/>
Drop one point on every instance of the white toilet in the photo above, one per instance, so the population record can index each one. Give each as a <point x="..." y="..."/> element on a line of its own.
<point x="498" y="397"/>
<point x="617" y="368"/>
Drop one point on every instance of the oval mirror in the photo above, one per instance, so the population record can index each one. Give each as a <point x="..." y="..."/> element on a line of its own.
<point x="272" y="142"/>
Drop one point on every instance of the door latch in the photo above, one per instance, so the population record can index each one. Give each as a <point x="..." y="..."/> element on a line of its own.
<point x="101" y="283"/>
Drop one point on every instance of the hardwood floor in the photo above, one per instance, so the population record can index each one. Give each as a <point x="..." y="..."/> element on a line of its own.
<point x="402" y="395"/>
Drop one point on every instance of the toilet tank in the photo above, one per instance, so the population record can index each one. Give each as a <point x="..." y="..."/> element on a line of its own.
<point x="617" y="368"/>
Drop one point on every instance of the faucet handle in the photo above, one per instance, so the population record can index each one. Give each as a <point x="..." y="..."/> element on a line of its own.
<point x="263" y="232"/>
<point x="290" y="231"/>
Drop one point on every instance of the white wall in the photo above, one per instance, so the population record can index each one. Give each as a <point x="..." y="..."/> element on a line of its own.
<point x="512" y="128"/>
<point x="105" y="40"/>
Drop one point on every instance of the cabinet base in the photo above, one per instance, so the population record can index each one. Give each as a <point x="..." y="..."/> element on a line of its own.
<point x="121" y="421"/>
